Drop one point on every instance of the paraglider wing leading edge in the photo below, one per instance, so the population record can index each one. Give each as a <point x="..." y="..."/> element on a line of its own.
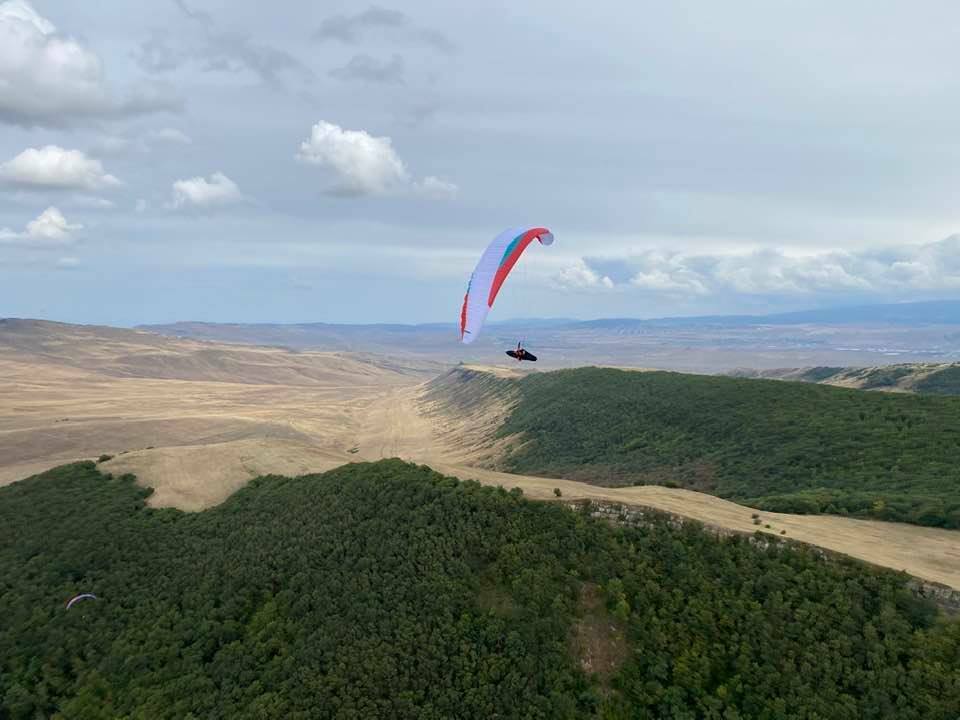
<point x="490" y="273"/>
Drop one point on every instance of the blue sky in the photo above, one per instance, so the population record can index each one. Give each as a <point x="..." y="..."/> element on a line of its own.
<point x="192" y="159"/>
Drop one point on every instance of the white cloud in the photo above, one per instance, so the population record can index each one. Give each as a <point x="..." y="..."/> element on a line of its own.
<point x="47" y="78"/>
<point x="934" y="267"/>
<point x="68" y="263"/>
<point x="49" y="229"/>
<point x="142" y="205"/>
<point x="51" y="226"/>
<point x="52" y="167"/>
<point x="660" y="281"/>
<point x="365" y="164"/>
<point x="666" y="273"/>
<point x="580" y="276"/>
<point x="198" y="192"/>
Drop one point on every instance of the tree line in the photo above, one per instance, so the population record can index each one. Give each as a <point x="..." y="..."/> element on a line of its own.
<point x="780" y="446"/>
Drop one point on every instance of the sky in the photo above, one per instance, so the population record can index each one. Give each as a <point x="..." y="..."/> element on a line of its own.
<point x="342" y="162"/>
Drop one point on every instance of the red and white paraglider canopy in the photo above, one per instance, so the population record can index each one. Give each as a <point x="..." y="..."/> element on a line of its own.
<point x="495" y="264"/>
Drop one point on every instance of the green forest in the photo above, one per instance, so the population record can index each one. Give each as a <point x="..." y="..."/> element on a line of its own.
<point x="941" y="382"/>
<point x="386" y="590"/>
<point x="788" y="447"/>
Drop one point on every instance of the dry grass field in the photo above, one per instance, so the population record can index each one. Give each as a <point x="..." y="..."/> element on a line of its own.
<point x="196" y="420"/>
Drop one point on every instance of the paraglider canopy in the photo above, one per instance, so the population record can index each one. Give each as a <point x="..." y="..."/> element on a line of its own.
<point x="492" y="270"/>
<point x="81" y="596"/>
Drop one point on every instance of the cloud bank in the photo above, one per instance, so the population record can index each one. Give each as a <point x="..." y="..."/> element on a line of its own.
<point x="928" y="268"/>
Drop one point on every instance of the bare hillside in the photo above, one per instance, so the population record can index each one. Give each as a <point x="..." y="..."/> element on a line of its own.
<point x="121" y="352"/>
<point x="78" y="391"/>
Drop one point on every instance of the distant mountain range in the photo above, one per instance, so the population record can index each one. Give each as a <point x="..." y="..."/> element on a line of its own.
<point x="868" y="335"/>
<point x="937" y="312"/>
<point x="865" y="336"/>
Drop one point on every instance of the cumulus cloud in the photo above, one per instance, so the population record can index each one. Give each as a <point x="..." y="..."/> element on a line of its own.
<point x="663" y="272"/>
<point x="201" y="193"/>
<point x="365" y="164"/>
<point x="365" y="68"/>
<point x="933" y="267"/>
<point x="54" y="168"/>
<point x="49" y="229"/>
<point x="47" y="78"/>
<point x="580" y="276"/>
<point x="350" y="29"/>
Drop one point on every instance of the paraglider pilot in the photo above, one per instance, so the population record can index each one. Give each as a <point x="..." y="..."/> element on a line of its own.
<point x="521" y="354"/>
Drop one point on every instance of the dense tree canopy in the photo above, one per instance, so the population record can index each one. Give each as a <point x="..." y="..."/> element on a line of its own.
<point x="387" y="590"/>
<point x="941" y="382"/>
<point x="790" y="447"/>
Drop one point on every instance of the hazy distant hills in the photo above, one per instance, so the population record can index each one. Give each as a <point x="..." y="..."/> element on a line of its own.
<point x="326" y="336"/>
<point x="122" y="352"/>
<point x="926" y="378"/>
<point x="940" y="312"/>
<point x="839" y="337"/>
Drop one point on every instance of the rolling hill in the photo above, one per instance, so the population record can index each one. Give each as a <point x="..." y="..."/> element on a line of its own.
<point x="71" y="392"/>
<point x="845" y="336"/>
<point x="788" y="447"/>
<point x="924" y="378"/>
<point x="387" y="590"/>
<point x="77" y="391"/>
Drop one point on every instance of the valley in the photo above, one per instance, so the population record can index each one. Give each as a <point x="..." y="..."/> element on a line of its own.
<point x="167" y="412"/>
